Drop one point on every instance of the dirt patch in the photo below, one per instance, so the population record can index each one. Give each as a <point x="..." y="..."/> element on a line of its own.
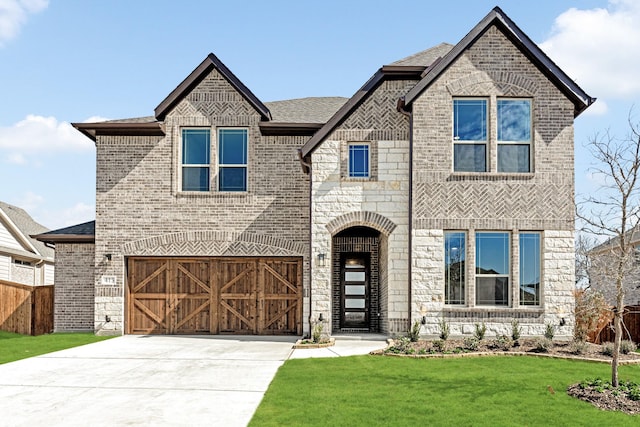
<point x="607" y="400"/>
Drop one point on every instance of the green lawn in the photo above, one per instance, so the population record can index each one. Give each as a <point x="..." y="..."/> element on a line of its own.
<point x="15" y="347"/>
<point x="390" y="391"/>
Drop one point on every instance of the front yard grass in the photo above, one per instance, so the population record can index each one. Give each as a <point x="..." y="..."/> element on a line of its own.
<point x="15" y="346"/>
<point x="392" y="391"/>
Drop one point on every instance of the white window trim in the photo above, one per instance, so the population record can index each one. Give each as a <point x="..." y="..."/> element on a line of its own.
<point x="354" y="143"/>
<point x="219" y="165"/>
<point x="509" y="276"/>
<point x="182" y="165"/>
<point x="506" y="142"/>
<point x="485" y="142"/>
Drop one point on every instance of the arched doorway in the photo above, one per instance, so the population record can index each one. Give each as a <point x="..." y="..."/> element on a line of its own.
<point x="355" y="277"/>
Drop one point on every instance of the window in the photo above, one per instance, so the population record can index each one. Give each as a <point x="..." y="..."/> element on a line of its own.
<point x="492" y="269"/>
<point x="514" y="135"/>
<point x="232" y="159"/>
<point x="195" y="159"/>
<point x="359" y="160"/>
<point x="470" y="135"/>
<point x="454" y="277"/>
<point x="529" y="268"/>
<point x="22" y="262"/>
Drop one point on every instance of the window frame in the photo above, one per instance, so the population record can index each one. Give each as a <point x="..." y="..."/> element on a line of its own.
<point x="349" y="170"/>
<point x="460" y="142"/>
<point x="502" y="143"/>
<point x="538" y="297"/>
<point x="447" y="276"/>
<point x="220" y="166"/>
<point x="507" y="257"/>
<point x="184" y="165"/>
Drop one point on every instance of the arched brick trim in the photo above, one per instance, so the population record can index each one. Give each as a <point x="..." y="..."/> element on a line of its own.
<point x="505" y="83"/>
<point x="213" y="243"/>
<point x="361" y="218"/>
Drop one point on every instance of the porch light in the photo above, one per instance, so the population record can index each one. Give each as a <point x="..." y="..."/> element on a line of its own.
<point x="107" y="257"/>
<point x="322" y="260"/>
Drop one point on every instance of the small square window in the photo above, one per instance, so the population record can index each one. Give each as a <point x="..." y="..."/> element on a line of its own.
<point x="359" y="161"/>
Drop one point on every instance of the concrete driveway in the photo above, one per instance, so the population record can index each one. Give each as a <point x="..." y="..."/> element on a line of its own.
<point x="143" y="380"/>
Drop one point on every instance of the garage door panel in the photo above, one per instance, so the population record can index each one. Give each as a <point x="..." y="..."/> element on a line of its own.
<point x="215" y="295"/>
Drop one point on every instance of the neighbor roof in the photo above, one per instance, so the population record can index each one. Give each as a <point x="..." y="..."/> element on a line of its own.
<point x="20" y="221"/>
<point x="80" y="233"/>
<point x="305" y="110"/>
<point x="425" y="57"/>
<point x="497" y="17"/>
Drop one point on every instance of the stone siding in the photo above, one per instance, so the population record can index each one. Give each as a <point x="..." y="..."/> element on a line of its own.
<point x="74" y="287"/>
<point x="542" y="200"/>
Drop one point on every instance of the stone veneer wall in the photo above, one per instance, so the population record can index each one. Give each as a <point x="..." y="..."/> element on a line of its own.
<point x="379" y="202"/>
<point x="74" y="287"/>
<point x="140" y="209"/>
<point x="539" y="201"/>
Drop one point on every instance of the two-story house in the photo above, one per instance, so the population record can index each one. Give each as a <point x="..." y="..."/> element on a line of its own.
<point x="442" y="189"/>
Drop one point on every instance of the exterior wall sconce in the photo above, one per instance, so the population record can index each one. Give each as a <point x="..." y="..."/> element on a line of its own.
<point x="563" y="322"/>
<point x="320" y="318"/>
<point x="107" y="319"/>
<point x="107" y="257"/>
<point x="322" y="260"/>
<point x="423" y="313"/>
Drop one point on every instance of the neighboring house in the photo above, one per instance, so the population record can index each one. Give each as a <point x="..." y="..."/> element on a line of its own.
<point x="443" y="189"/>
<point x="23" y="259"/>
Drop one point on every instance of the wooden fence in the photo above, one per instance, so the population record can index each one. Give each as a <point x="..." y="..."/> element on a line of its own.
<point x="631" y="328"/>
<point x="26" y="310"/>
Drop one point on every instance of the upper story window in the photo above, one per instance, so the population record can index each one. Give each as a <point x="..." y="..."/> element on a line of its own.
<point x="492" y="269"/>
<point x="514" y="135"/>
<point x="470" y="135"/>
<point x="359" y="161"/>
<point x="232" y="159"/>
<point x="196" y="146"/>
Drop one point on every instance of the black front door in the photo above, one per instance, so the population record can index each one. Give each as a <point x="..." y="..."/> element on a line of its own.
<point x="354" y="284"/>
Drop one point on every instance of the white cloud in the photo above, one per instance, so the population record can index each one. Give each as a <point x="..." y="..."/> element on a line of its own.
<point x="77" y="214"/>
<point x="598" y="48"/>
<point x="37" y="135"/>
<point x="30" y="201"/>
<point x="14" y="13"/>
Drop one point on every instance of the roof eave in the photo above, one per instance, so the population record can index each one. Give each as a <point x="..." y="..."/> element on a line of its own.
<point x="92" y="130"/>
<point x="65" y="238"/>
<point x="197" y="75"/>
<point x="289" y="129"/>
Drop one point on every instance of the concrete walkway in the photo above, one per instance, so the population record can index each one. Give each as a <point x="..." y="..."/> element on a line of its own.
<point x="153" y="380"/>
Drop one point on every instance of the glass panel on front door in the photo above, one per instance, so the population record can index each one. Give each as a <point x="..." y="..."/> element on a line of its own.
<point x="354" y="277"/>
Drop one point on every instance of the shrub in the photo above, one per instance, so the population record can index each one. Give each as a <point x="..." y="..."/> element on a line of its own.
<point x="400" y="346"/>
<point x="543" y="345"/>
<point x="578" y="347"/>
<point x="414" y="333"/>
<point x="471" y="343"/>
<point x="627" y="346"/>
<point x="480" y="330"/>
<point x="444" y="329"/>
<point x="591" y="312"/>
<point x="502" y="342"/>
<point x="607" y="349"/>
<point x="439" y="345"/>
<point x="316" y="334"/>
<point x="516" y="330"/>
<point x="549" y="331"/>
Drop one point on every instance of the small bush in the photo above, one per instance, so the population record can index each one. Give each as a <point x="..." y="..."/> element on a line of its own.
<point x="607" y="349"/>
<point x="316" y="334"/>
<point x="471" y="343"/>
<point x="543" y="345"/>
<point x="578" y="347"/>
<point x="549" y="331"/>
<point x="439" y="345"/>
<point x="627" y="346"/>
<point x="480" y="330"/>
<point x="400" y="346"/>
<point x="414" y="332"/>
<point x="516" y="330"/>
<point x="501" y="342"/>
<point x="444" y="329"/>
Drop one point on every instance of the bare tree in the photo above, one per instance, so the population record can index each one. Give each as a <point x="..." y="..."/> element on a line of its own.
<point x="613" y="212"/>
<point x="584" y="246"/>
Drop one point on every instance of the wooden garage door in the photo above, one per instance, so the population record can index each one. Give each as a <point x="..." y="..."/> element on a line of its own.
<point x="214" y="295"/>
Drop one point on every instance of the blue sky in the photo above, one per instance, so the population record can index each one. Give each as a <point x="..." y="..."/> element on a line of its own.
<point x="64" y="61"/>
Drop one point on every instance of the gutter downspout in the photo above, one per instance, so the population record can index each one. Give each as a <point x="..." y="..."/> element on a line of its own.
<point x="409" y="114"/>
<point x="306" y="168"/>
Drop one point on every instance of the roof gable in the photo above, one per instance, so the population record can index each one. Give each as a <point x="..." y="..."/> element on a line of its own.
<point x="197" y="75"/>
<point x="18" y="222"/>
<point x="498" y="18"/>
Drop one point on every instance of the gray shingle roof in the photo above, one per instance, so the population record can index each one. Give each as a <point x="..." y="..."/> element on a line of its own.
<point x="146" y="119"/>
<point x="305" y="110"/>
<point x="27" y="227"/>
<point x="425" y="57"/>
